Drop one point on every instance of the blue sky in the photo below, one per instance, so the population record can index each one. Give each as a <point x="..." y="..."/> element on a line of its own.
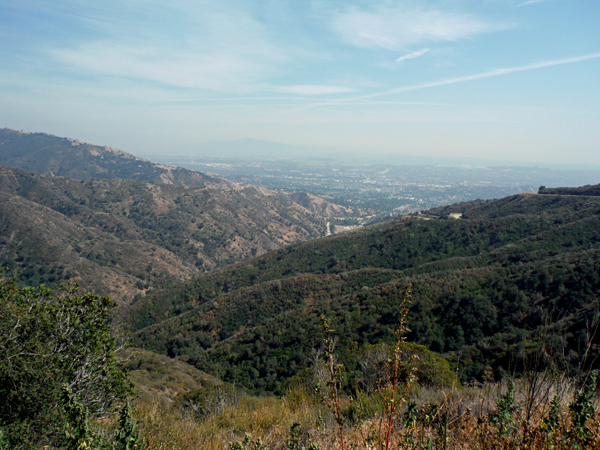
<point x="502" y="79"/>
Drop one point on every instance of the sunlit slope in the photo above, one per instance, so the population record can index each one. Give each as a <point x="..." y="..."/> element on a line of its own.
<point x="161" y="378"/>
<point x="123" y="237"/>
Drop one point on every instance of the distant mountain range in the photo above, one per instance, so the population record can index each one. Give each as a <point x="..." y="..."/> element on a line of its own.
<point x="258" y="149"/>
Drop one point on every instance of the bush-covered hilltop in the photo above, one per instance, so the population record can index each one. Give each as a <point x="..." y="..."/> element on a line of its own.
<point x="488" y="289"/>
<point x="582" y="190"/>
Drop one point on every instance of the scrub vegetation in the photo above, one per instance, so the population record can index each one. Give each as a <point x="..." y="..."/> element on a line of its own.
<point x="479" y="332"/>
<point x="511" y="277"/>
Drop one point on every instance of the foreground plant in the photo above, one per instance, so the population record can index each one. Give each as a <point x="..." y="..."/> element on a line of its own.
<point x="506" y="407"/>
<point x="294" y="441"/>
<point x="248" y="444"/>
<point x="335" y="378"/>
<point x="49" y="345"/>
<point x="127" y="437"/>
<point x="394" y="393"/>
<point x="582" y="409"/>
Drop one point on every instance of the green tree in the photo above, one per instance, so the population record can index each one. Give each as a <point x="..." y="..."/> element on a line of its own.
<point x="48" y="343"/>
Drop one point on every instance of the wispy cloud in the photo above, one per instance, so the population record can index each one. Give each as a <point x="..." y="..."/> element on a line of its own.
<point x="464" y="79"/>
<point x="533" y="2"/>
<point x="309" y="89"/>
<point x="396" y="29"/>
<point x="183" y="44"/>
<point x="412" y="55"/>
<point x="218" y="70"/>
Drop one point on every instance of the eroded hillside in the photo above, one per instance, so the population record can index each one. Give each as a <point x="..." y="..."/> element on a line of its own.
<point x="123" y="237"/>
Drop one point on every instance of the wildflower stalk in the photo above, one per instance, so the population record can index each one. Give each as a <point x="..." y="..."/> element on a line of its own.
<point x="335" y="374"/>
<point x="392" y="402"/>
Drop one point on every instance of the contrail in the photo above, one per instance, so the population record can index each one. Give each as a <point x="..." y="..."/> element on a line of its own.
<point x="477" y="76"/>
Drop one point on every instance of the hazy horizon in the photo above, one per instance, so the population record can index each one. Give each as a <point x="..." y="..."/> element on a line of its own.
<point x="257" y="150"/>
<point x="497" y="80"/>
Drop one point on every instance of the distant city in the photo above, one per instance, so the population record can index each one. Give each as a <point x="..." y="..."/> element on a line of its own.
<point x="376" y="191"/>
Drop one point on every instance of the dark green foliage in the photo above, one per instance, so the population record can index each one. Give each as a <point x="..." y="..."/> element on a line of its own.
<point x="583" y="190"/>
<point x="56" y="357"/>
<point x="552" y="421"/>
<point x="127" y="437"/>
<point x="413" y="247"/>
<point x="4" y="443"/>
<point x="78" y="433"/>
<point x="581" y="407"/>
<point x="486" y="287"/>
<point x="506" y="407"/>
<point x="483" y="319"/>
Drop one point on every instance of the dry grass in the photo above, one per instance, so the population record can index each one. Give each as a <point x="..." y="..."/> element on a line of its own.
<point x="543" y="410"/>
<point x="461" y="420"/>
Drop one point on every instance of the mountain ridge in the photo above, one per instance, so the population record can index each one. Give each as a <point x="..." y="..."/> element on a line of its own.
<point x="56" y="156"/>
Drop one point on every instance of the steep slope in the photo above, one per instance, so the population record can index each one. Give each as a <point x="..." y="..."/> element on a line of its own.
<point x="319" y="205"/>
<point x="55" y="156"/>
<point x="121" y="237"/>
<point x="46" y="247"/>
<point x="486" y="287"/>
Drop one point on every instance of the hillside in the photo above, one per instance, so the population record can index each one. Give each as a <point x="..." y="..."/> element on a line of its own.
<point x="486" y="287"/>
<point x="123" y="237"/>
<point x="161" y="378"/>
<point x="55" y="156"/>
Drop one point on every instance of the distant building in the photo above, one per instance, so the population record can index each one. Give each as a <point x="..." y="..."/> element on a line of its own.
<point x="454" y="215"/>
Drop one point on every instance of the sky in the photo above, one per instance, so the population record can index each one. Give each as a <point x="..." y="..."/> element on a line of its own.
<point x="514" y="80"/>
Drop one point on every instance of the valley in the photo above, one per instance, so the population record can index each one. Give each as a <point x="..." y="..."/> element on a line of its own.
<point x="238" y="304"/>
<point x="283" y="225"/>
<point x="381" y="188"/>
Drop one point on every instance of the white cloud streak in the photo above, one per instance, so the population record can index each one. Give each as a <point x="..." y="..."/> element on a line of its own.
<point x="184" y="44"/>
<point x="218" y="69"/>
<point x="412" y="55"/>
<point x="464" y="79"/>
<point x="309" y="89"/>
<point x="532" y="2"/>
<point x="396" y="29"/>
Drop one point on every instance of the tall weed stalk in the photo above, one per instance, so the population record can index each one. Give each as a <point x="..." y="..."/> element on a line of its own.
<point x="393" y="394"/>
<point x="336" y="378"/>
